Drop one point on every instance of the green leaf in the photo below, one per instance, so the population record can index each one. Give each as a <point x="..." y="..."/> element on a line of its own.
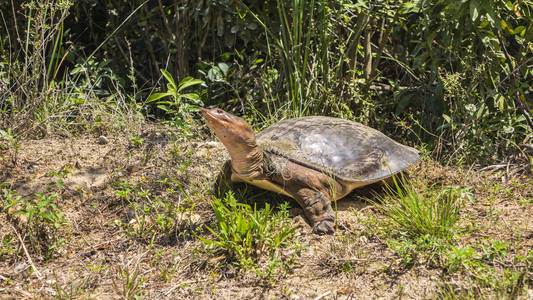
<point x="483" y="24"/>
<point x="189" y="81"/>
<point x="447" y="118"/>
<point x="499" y="100"/>
<point x="481" y="111"/>
<point x="165" y="108"/>
<point x="409" y="7"/>
<point x="224" y="68"/>
<point x="192" y="96"/>
<point x="171" y="82"/>
<point x="212" y="74"/>
<point x="474" y="10"/>
<point x="157" y="96"/>
<point x="517" y="30"/>
<point x="20" y="212"/>
<point x="503" y="24"/>
<point x="491" y="16"/>
<point x="529" y="33"/>
<point x="165" y="102"/>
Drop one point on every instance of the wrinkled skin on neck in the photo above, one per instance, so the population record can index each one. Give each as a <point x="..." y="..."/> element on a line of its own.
<point x="239" y="139"/>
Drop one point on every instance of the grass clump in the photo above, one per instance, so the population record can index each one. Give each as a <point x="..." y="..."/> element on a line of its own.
<point x="245" y="235"/>
<point x="423" y="225"/>
<point x="417" y="214"/>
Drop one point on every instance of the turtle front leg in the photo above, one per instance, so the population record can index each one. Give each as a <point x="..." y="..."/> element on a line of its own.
<point x="317" y="209"/>
<point x="223" y="182"/>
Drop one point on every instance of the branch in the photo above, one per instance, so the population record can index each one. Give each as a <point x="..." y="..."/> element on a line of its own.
<point x="30" y="261"/>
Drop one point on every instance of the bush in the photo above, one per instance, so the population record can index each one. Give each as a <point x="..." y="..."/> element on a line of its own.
<point x="454" y="75"/>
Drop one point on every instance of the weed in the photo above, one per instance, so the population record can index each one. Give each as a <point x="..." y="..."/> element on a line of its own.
<point x="135" y="141"/>
<point x="40" y="219"/>
<point x="244" y="234"/>
<point x="494" y="251"/>
<point x="462" y="258"/>
<point x="180" y="156"/>
<point x="478" y="263"/>
<point x="344" y="255"/>
<point x="178" y="108"/>
<point x="7" y="247"/>
<point x="73" y="289"/>
<point x="423" y="225"/>
<point x="132" y="284"/>
<point x="153" y="217"/>
<point x="12" y="143"/>
<point x="62" y="173"/>
<point x="140" y="226"/>
<point x="97" y="268"/>
<point x="426" y="249"/>
<point x="123" y="190"/>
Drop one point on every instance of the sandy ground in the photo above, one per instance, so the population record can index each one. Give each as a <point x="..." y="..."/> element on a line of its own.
<point x="101" y="259"/>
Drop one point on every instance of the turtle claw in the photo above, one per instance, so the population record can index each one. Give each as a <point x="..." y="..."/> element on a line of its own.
<point x="324" y="227"/>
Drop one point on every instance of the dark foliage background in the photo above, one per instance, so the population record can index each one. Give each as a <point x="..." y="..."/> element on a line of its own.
<point x="453" y="77"/>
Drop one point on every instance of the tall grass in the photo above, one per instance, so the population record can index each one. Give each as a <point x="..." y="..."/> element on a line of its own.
<point x="34" y="52"/>
<point x="44" y="82"/>
<point x="312" y="57"/>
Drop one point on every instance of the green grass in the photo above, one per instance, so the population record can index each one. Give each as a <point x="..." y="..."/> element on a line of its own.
<point x="245" y="235"/>
<point x="421" y="227"/>
<point x="432" y="213"/>
<point x="153" y="218"/>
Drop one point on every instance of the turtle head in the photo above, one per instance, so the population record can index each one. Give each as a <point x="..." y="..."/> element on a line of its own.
<point x="232" y="131"/>
<point x="238" y="137"/>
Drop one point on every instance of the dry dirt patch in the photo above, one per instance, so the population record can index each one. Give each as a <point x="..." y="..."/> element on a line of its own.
<point x="107" y="253"/>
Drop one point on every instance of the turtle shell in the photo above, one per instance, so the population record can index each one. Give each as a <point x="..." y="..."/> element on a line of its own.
<point x="344" y="149"/>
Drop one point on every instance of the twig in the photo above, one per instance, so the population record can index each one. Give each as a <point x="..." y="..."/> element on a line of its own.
<point x="368" y="53"/>
<point x="507" y="171"/>
<point x="383" y="37"/>
<point x="323" y="295"/>
<point x="27" y="254"/>
<point x="179" y="285"/>
<point x="492" y="167"/>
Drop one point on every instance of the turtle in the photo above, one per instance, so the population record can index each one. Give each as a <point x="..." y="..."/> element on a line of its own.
<point x="313" y="159"/>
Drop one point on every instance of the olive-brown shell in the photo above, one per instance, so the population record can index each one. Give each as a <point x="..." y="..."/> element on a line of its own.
<point x="347" y="150"/>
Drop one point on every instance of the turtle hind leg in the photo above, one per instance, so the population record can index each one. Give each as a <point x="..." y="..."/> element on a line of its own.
<point x="317" y="209"/>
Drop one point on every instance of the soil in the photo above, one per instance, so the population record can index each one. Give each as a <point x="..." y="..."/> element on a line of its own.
<point x="100" y="258"/>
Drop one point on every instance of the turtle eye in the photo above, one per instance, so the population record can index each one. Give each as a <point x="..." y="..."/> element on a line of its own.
<point x="219" y="111"/>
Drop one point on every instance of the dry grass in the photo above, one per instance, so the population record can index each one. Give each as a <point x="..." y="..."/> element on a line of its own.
<point x="136" y="204"/>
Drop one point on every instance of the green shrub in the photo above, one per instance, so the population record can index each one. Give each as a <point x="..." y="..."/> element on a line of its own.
<point x="181" y="105"/>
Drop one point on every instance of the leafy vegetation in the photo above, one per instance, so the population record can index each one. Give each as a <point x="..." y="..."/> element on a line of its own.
<point x="179" y="110"/>
<point x="454" y="75"/>
<point x="245" y="235"/>
<point x="454" y="78"/>
<point x="422" y="229"/>
<point x="38" y="218"/>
